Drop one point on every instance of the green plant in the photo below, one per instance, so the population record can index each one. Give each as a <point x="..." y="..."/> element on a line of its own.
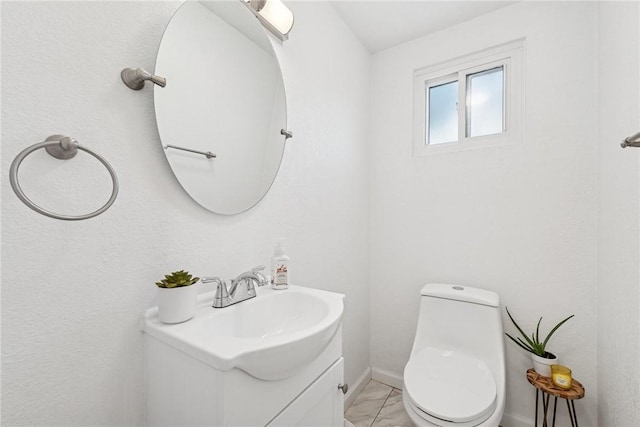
<point x="534" y="344"/>
<point x="177" y="279"/>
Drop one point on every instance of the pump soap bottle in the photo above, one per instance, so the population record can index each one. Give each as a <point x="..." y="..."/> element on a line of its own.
<point x="279" y="267"/>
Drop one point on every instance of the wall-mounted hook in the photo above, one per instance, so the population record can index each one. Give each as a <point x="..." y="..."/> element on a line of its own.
<point x="134" y="78"/>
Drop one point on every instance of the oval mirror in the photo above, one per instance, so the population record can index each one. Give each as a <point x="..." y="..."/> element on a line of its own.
<point x="225" y="96"/>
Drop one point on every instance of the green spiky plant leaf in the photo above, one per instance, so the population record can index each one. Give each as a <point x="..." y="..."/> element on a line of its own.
<point x="177" y="279"/>
<point x="534" y="344"/>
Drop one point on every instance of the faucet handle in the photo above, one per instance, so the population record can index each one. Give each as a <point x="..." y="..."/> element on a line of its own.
<point x="221" y="299"/>
<point x="262" y="278"/>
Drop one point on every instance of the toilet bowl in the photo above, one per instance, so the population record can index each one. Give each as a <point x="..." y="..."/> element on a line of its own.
<point x="455" y="375"/>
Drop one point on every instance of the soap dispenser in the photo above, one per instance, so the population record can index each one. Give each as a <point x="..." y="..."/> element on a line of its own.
<point x="279" y="267"/>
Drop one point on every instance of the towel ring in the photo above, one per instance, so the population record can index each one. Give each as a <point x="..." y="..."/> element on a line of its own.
<point x="64" y="148"/>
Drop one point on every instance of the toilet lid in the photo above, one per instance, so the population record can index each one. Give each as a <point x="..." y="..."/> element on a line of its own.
<point x="449" y="385"/>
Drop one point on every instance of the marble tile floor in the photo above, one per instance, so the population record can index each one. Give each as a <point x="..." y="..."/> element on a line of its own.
<point x="378" y="405"/>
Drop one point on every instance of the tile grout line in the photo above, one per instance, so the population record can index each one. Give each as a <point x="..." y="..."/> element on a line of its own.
<point x="380" y="410"/>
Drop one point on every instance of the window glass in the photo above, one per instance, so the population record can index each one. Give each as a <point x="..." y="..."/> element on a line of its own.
<point x="443" y="113"/>
<point x="485" y="102"/>
<point x="470" y="102"/>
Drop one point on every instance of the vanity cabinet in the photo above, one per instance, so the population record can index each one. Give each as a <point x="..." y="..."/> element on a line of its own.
<point x="321" y="404"/>
<point x="185" y="391"/>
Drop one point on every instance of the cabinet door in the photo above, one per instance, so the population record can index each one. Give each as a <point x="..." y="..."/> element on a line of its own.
<point x="320" y="405"/>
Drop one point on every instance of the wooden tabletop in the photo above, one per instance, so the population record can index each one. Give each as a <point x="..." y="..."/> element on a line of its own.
<point x="545" y="384"/>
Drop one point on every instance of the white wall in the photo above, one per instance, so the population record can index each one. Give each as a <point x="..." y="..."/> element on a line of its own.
<point x="519" y="220"/>
<point x="619" y="215"/>
<point x="72" y="292"/>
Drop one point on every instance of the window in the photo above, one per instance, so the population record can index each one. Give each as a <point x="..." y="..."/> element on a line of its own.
<point x="485" y="102"/>
<point x="469" y="102"/>
<point x="442" y="120"/>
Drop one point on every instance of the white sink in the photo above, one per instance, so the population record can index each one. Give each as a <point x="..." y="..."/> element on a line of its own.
<point x="270" y="336"/>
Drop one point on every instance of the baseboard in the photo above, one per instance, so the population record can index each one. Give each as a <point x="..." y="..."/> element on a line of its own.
<point x="509" y="420"/>
<point x="355" y="389"/>
<point x="386" y="377"/>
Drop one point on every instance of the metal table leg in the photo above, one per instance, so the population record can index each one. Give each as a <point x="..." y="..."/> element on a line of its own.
<point x="575" y="415"/>
<point x="545" y="402"/>
<point x="537" y="394"/>
<point x="571" y="414"/>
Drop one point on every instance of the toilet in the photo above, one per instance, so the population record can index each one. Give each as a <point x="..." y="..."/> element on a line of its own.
<point x="455" y="375"/>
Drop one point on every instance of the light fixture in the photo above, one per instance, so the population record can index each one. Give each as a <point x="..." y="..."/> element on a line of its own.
<point x="631" y="141"/>
<point x="274" y="15"/>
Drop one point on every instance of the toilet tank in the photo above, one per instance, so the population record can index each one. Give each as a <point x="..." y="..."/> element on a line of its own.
<point x="463" y="319"/>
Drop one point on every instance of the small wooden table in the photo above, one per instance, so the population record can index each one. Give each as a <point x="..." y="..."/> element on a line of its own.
<point x="545" y="386"/>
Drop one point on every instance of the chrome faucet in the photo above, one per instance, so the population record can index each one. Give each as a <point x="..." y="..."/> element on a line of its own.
<point x="242" y="287"/>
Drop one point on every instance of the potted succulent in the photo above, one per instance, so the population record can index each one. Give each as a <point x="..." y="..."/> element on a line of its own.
<point x="542" y="359"/>
<point x="177" y="297"/>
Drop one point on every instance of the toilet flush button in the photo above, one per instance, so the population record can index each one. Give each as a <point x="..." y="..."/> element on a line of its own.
<point x="458" y="288"/>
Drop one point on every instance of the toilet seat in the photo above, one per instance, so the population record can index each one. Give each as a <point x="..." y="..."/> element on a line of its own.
<point x="449" y="386"/>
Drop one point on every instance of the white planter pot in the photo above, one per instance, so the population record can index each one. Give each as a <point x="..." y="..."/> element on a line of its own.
<point x="542" y="365"/>
<point x="177" y="305"/>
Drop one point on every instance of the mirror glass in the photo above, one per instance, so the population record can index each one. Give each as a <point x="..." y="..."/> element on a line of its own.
<point x="224" y="95"/>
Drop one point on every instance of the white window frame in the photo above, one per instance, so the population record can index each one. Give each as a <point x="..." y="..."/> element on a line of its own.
<point x="510" y="56"/>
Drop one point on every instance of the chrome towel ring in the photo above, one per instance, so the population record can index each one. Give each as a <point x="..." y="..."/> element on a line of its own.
<point x="64" y="148"/>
